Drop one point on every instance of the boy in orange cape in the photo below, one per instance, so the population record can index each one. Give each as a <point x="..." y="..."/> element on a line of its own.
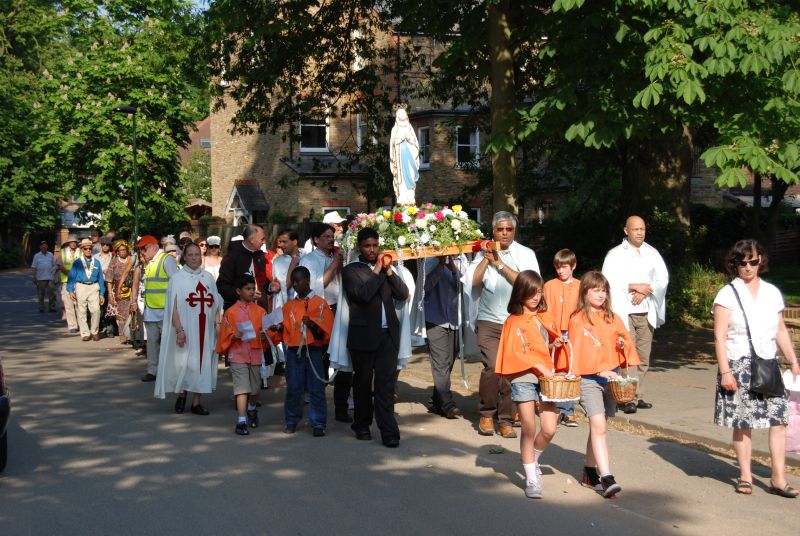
<point x="601" y="345"/>
<point x="244" y="319"/>
<point x="306" y="328"/>
<point x="561" y="295"/>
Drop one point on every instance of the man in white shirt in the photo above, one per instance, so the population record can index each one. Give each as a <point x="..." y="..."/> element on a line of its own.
<point x="638" y="278"/>
<point x="334" y="220"/>
<point x="44" y="268"/>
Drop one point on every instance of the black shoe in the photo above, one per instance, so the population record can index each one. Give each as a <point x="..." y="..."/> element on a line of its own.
<point x="241" y="429"/>
<point x="610" y="486"/>
<point x="392" y="442"/>
<point x="343" y="416"/>
<point x="629" y="408"/>
<point x="452" y="413"/>
<point x="199" y="410"/>
<point x="318" y="432"/>
<point x="149" y="377"/>
<point x="252" y="418"/>
<point x="363" y="435"/>
<point x="641" y="404"/>
<point x="180" y="404"/>
<point x="290" y="429"/>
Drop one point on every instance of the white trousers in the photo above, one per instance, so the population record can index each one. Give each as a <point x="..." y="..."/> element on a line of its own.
<point x="88" y="297"/>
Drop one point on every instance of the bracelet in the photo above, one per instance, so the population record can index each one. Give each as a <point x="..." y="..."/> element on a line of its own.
<point x="726" y="372"/>
<point x="179" y="331"/>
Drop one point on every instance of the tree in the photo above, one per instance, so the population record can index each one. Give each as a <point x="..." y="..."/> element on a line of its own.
<point x="80" y="61"/>
<point x="196" y="178"/>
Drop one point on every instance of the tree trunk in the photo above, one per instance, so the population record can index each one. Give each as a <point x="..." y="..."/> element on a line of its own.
<point x="504" y="191"/>
<point x="755" y="223"/>
<point x="655" y="186"/>
<point x="779" y="189"/>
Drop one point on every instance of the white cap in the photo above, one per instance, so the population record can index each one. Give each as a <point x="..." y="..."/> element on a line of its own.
<point x="237" y="238"/>
<point x="213" y="240"/>
<point x="332" y="217"/>
<point x="185" y="234"/>
<point x="169" y="239"/>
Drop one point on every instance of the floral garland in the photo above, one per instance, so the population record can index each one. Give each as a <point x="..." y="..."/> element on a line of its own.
<point x="416" y="227"/>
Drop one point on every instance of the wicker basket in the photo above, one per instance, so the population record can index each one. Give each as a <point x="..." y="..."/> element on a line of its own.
<point x="623" y="389"/>
<point x="561" y="387"/>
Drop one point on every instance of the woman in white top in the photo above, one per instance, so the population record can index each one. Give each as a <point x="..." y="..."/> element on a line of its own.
<point x="736" y="406"/>
<point x="211" y="255"/>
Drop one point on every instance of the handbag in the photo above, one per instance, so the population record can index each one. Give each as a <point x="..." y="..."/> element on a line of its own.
<point x="765" y="374"/>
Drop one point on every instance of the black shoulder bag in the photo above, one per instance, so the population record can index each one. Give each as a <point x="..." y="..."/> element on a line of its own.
<point x="765" y="374"/>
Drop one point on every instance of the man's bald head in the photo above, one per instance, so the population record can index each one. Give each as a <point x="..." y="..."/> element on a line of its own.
<point x="635" y="231"/>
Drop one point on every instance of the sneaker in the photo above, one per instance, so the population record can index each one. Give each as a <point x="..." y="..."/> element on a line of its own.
<point x="241" y="429"/>
<point x="252" y="418"/>
<point x="591" y="479"/>
<point x="318" y="432"/>
<point x="610" y="486"/>
<point x="534" y="489"/>
<point x="290" y="429"/>
<point x="570" y="421"/>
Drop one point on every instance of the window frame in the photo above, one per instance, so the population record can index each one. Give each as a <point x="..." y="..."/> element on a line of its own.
<point x="323" y="122"/>
<point x="424" y="149"/>
<point x="477" y="146"/>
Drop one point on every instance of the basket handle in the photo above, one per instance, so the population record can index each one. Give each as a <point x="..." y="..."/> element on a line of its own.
<point x="566" y="344"/>
<point x="625" y="356"/>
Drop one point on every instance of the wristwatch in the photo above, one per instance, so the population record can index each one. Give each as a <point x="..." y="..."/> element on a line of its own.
<point x="500" y="267"/>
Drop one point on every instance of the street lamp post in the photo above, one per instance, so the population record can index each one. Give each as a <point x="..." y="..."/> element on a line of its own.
<point x="131" y="110"/>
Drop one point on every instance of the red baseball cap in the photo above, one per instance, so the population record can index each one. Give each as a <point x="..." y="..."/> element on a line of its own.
<point x="145" y="240"/>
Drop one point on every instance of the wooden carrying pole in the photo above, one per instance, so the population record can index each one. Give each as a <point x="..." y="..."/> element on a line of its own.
<point x="406" y="254"/>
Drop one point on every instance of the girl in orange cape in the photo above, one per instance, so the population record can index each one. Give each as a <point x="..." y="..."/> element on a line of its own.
<point x="601" y="345"/>
<point x="524" y="354"/>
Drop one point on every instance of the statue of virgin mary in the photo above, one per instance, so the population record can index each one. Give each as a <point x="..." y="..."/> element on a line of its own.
<point x="404" y="158"/>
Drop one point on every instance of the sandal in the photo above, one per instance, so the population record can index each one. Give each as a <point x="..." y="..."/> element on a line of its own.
<point x="744" y="487"/>
<point x="787" y="491"/>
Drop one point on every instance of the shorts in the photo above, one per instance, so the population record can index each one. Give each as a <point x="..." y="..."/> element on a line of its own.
<point x="246" y="378"/>
<point x="525" y="392"/>
<point x="596" y="398"/>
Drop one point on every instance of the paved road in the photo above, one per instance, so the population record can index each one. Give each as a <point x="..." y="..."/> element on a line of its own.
<point x="92" y="452"/>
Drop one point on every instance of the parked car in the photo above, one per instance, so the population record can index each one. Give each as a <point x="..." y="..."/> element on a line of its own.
<point x="5" y="411"/>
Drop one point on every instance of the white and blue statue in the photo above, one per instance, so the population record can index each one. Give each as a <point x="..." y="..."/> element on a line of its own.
<point x="404" y="158"/>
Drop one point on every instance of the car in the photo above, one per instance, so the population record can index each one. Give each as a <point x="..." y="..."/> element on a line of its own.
<point x="5" y="412"/>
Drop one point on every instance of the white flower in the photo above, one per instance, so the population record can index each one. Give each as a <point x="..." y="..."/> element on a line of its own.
<point x="455" y="224"/>
<point x="379" y="218"/>
<point x="406" y="217"/>
<point x="463" y="215"/>
<point x="381" y="241"/>
<point x="446" y="211"/>
<point x="429" y="216"/>
<point x="432" y="228"/>
<point x="421" y="224"/>
<point x="401" y="240"/>
<point x="425" y="238"/>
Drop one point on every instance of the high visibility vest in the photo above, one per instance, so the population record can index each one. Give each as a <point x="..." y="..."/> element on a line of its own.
<point x="67" y="259"/>
<point x="156" y="281"/>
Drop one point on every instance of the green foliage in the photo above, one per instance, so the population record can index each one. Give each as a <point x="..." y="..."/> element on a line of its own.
<point x="76" y="63"/>
<point x="691" y="292"/>
<point x="196" y="178"/>
<point x="11" y="255"/>
<point x="787" y="279"/>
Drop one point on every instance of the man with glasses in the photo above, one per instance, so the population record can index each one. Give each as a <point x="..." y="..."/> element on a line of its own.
<point x="638" y="278"/>
<point x="490" y="277"/>
<point x="86" y="287"/>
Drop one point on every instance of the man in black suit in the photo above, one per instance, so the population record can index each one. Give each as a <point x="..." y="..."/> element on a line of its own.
<point x="373" y="337"/>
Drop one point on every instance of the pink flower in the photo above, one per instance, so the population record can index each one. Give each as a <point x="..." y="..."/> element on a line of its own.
<point x="421" y="215"/>
<point x="430" y="206"/>
<point x="439" y="215"/>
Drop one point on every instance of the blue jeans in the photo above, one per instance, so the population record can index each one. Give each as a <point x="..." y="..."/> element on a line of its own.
<point x="299" y="378"/>
<point x="566" y="408"/>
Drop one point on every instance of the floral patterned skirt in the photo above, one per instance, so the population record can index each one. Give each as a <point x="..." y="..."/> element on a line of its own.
<point x="744" y="408"/>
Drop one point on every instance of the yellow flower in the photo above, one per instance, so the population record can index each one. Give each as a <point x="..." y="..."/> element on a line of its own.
<point x="411" y="211"/>
<point x="457" y="208"/>
<point x="387" y="214"/>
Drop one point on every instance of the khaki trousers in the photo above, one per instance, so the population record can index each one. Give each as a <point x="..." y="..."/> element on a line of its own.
<point x="642" y="335"/>
<point x="88" y="297"/>
<point x="70" y="308"/>
<point x="44" y="287"/>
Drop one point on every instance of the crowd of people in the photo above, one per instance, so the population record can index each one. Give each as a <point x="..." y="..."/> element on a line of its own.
<point x="350" y="322"/>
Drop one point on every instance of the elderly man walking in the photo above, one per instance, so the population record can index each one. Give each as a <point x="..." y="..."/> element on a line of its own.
<point x="68" y="255"/>
<point x="491" y="276"/>
<point x="638" y="278"/>
<point x="159" y="267"/>
<point x="87" y="288"/>
<point x="44" y="267"/>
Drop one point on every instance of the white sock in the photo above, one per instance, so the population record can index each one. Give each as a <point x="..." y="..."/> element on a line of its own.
<point x="536" y="455"/>
<point x="251" y="407"/>
<point x="530" y="472"/>
<point x="242" y="419"/>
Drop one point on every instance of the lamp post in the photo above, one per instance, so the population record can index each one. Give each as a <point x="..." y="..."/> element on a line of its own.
<point x="131" y="110"/>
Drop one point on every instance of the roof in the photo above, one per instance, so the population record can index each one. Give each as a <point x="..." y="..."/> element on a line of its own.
<point x="325" y="165"/>
<point x="251" y="197"/>
<point x="197" y="203"/>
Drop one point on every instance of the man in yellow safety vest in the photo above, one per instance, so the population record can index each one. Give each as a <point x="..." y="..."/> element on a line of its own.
<point x="159" y="267"/>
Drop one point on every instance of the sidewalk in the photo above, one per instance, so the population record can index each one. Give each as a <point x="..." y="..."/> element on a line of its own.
<point x="682" y="394"/>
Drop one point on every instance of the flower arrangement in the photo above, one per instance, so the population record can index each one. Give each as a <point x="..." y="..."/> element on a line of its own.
<point x="416" y="227"/>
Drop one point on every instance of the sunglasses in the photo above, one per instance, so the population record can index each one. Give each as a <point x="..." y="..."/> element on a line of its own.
<point x="203" y="245"/>
<point x="754" y="262"/>
<point x="86" y="247"/>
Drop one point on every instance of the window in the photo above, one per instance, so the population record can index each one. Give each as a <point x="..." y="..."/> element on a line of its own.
<point x="424" y="138"/>
<point x="313" y="134"/>
<point x="205" y="143"/>
<point x="343" y="211"/>
<point x="361" y="131"/>
<point x="467" y="145"/>
<point x="474" y="214"/>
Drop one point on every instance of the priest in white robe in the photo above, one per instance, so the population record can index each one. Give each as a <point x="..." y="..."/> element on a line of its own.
<point x="187" y="361"/>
